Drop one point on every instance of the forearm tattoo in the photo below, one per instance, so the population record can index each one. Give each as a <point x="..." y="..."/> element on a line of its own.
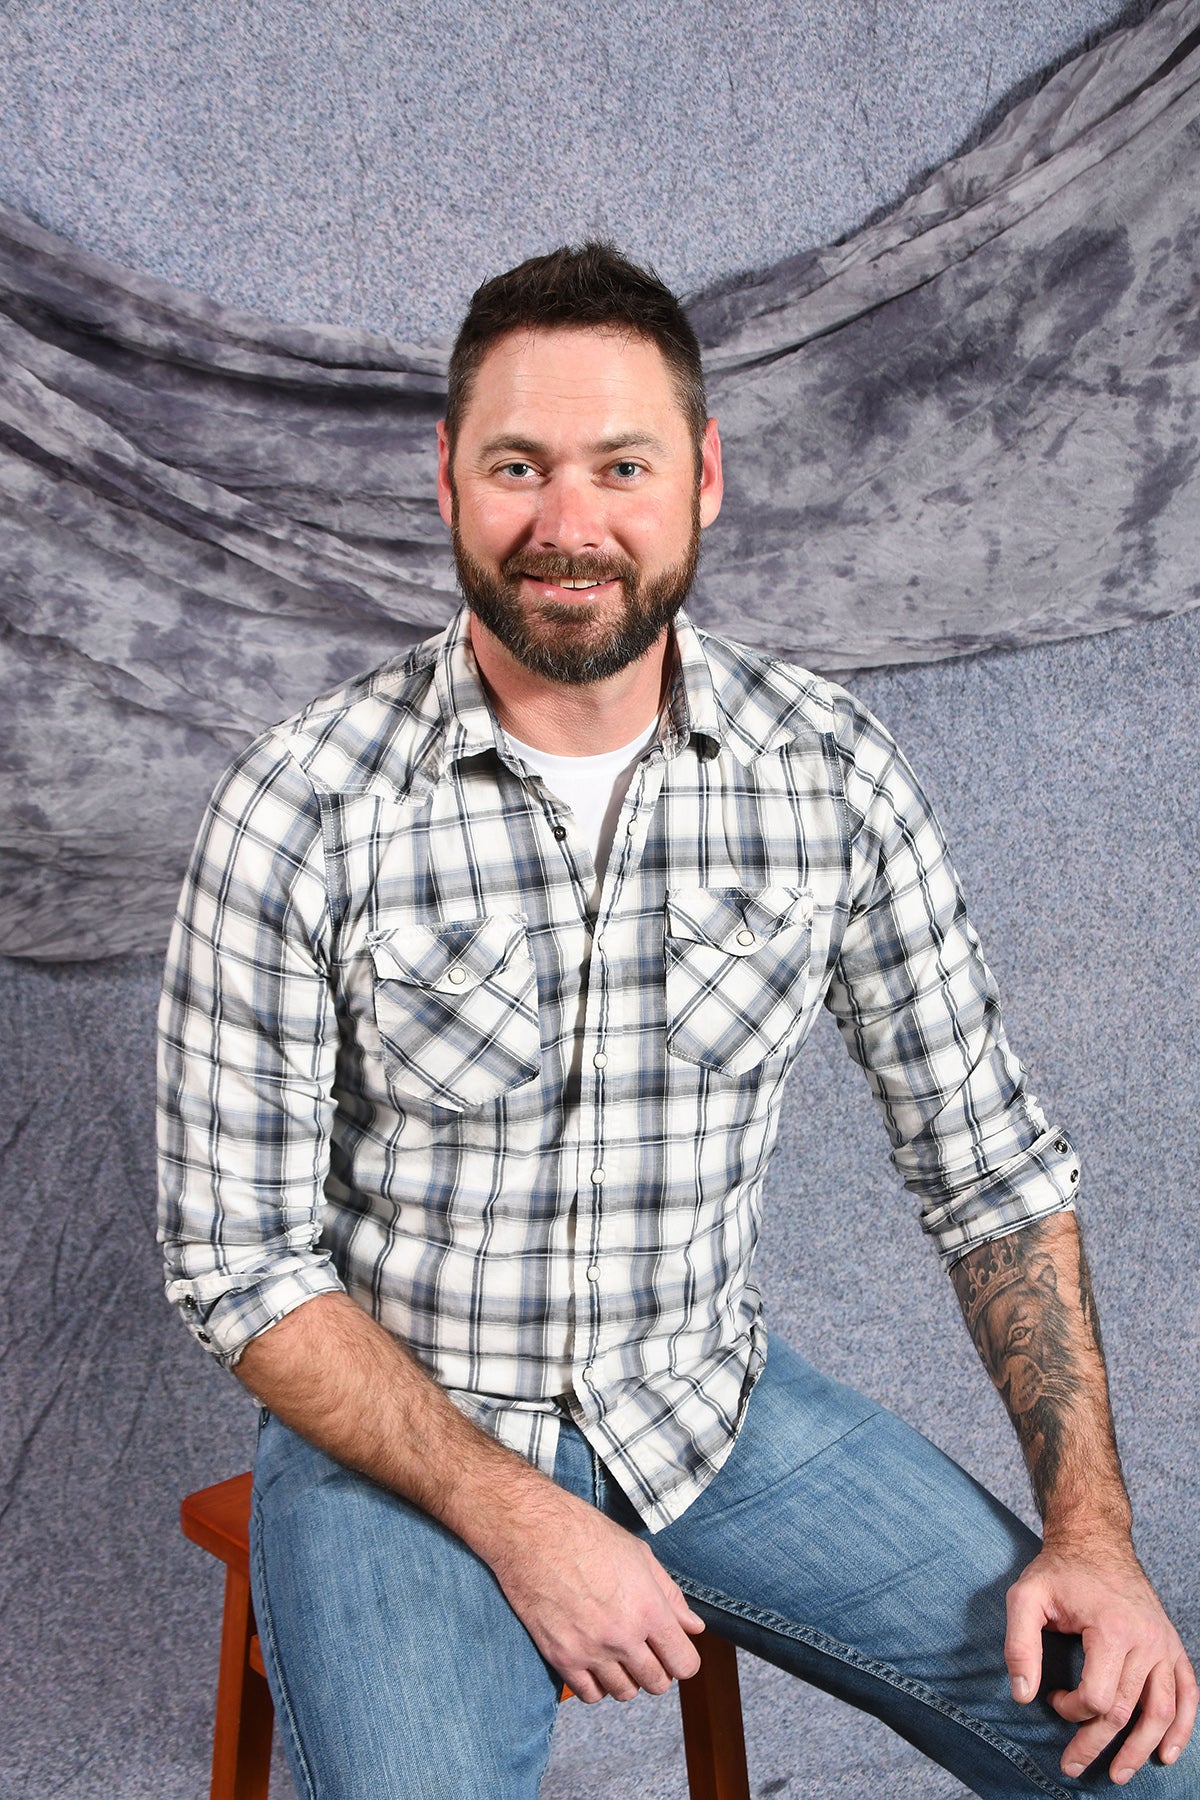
<point x="1028" y="1339"/>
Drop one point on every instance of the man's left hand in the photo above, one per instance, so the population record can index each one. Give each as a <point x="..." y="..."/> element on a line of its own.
<point x="1133" y="1658"/>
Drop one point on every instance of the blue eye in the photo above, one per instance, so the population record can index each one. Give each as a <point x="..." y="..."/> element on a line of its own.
<point x="518" y="468"/>
<point x="626" y="470"/>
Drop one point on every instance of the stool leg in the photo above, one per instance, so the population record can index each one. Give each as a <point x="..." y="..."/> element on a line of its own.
<point x="241" y="1767"/>
<point x="713" y="1739"/>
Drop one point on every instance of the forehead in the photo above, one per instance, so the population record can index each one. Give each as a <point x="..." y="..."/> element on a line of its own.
<point x="603" y="379"/>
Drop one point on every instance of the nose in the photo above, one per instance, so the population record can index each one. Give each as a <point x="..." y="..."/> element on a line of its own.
<point x="571" y="515"/>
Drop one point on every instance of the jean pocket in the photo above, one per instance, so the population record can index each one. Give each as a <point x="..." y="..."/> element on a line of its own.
<point x="456" y="1009"/>
<point x="736" y="972"/>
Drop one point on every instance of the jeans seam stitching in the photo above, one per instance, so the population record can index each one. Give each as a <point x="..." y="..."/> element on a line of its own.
<point x="846" y="1653"/>
<point x="276" y="1664"/>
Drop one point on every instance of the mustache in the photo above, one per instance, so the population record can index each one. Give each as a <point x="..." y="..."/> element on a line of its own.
<point x="547" y="565"/>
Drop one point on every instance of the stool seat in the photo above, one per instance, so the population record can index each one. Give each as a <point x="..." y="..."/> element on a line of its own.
<point x="218" y="1519"/>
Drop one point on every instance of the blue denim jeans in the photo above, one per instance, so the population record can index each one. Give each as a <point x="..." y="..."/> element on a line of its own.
<point x="836" y="1542"/>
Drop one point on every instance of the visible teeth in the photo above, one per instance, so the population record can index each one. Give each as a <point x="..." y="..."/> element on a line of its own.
<point x="564" y="581"/>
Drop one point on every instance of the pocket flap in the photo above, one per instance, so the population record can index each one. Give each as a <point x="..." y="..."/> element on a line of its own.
<point x="452" y="959"/>
<point x="738" y="921"/>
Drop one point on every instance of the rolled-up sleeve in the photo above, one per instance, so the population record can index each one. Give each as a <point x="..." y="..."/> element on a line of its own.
<point x="918" y="1008"/>
<point x="247" y="1046"/>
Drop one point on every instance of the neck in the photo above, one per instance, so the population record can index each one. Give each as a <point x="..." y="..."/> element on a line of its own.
<point x="567" y="718"/>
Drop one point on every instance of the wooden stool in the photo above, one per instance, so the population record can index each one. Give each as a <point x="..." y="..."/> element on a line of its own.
<point x="218" y="1519"/>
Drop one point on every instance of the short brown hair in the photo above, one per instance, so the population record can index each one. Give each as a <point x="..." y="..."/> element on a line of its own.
<point x="591" y="285"/>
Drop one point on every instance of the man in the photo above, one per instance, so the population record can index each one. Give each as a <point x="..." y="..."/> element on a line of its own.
<point x="488" y="973"/>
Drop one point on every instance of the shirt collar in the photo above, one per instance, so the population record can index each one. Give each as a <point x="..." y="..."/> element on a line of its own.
<point x="469" y="724"/>
<point x="692" y="709"/>
<point x="472" y="729"/>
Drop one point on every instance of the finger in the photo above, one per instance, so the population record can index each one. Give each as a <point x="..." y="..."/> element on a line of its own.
<point x="1069" y="1706"/>
<point x="678" y="1600"/>
<point x="1112" y="1679"/>
<point x="677" y="1654"/>
<point x="1157" y="1715"/>
<point x="1108" y="1666"/>
<point x="1023" y="1639"/>
<point x="1100" y="1727"/>
<point x="1186" y="1697"/>
<point x="614" y="1680"/>
<point x="648" y="1672"/>
<point x="584" y="1687"/>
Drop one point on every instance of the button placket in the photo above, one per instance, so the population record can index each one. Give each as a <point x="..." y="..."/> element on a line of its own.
<point x="644" y="796"/>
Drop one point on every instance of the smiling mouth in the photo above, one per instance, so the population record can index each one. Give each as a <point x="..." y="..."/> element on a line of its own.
<point x="572" y="584"/>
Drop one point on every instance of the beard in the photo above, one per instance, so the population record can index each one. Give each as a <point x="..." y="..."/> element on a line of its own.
<point x="575" y="643"/>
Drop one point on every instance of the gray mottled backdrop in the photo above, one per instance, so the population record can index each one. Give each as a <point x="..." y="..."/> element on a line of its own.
<point x="365" y="165"/>
<point x="971" y="425"/>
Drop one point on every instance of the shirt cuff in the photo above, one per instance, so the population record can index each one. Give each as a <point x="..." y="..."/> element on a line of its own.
<point x="223" y="1317"/>
<point x="1042" y="1180"/>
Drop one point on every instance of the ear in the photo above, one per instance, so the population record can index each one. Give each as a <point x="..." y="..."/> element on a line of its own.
<point x="445" y="489"/>
<point x="712" y="481"/>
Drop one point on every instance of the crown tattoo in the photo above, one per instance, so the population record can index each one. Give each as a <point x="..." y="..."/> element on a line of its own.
<point x="983" y="1284"/>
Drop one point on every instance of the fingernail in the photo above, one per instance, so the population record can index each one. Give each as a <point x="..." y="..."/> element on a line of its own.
<point x="1020" y="1687"/>
<point x="1170" y="1753"/>
<point x="1073" y="1769"/>
<point x="1121" y="1776"/>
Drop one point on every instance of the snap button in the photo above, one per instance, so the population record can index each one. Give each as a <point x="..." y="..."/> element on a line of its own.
<point x="593" y="1273"/>
<point x="745" y="937"/>
<point x="1062" y="1146"/>
<point x="1074" y="1174"/>
<point x="597" y="1176"/>
<point x="560" y="832"/>
<point x="457" y="976"/>
<point x="589" y="1375"/>
<point x="599" y="1061"/>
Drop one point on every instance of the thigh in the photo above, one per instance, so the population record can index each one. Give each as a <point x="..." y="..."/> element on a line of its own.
<point x="399" y="1670"/>
<point x="839" y="1543"/>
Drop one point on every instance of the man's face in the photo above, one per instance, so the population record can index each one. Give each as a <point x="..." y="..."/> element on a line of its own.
<point x="574" y="499"/>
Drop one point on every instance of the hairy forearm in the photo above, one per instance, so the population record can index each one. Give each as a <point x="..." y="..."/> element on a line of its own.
<point x="340" y="1380"/>
<point x="598" y="1605"/>
<point x="1027" y="1299"/>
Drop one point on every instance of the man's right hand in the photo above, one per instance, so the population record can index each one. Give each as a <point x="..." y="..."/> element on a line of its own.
<point x="597" y="1602"/>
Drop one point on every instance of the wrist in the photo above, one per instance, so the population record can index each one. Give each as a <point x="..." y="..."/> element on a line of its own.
<point x="1091" y="1530"/>
<point x="499" y="1503"/>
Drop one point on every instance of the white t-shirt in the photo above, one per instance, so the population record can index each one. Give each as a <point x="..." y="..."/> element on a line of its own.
<point x="594" y="788"/>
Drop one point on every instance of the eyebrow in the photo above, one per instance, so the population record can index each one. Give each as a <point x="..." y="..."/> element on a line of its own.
<point x="628" y="440"/>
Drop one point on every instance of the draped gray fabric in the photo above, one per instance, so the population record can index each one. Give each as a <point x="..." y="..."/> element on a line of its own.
<point x="972" y="425"/>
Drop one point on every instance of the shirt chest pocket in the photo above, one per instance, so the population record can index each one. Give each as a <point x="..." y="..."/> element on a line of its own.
<point x="736" y="972"/>
<point x="456" y="1009"/>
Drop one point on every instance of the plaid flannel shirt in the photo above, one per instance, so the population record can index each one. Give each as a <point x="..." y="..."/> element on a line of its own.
<point x="400" y="1057"/>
